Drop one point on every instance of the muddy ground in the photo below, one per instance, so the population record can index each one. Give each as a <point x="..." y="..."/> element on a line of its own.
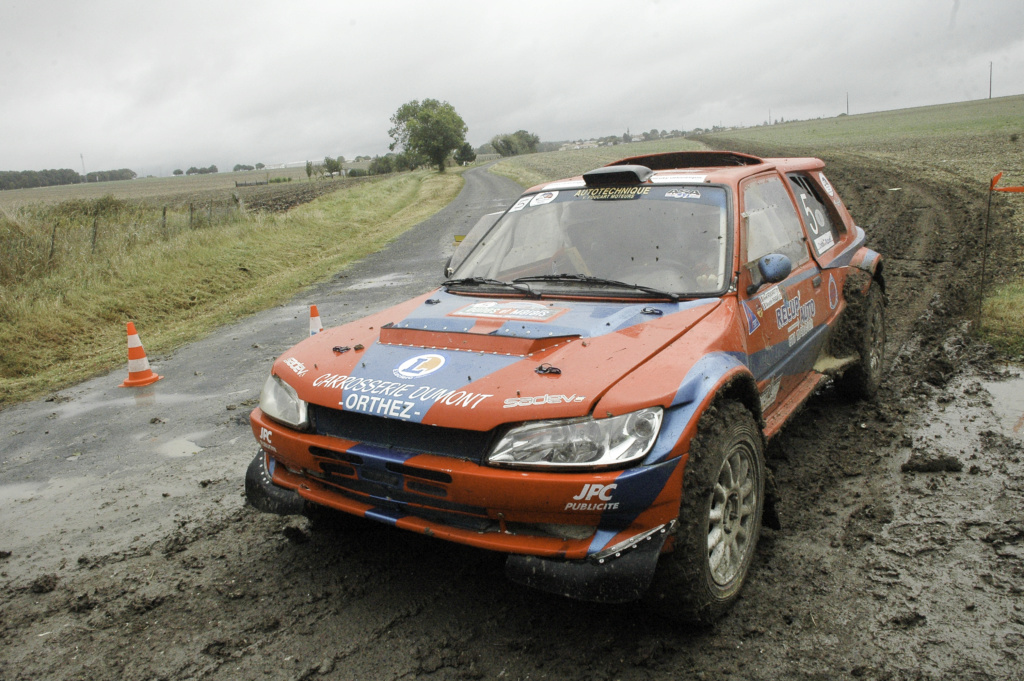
<point x="899" y="554"/>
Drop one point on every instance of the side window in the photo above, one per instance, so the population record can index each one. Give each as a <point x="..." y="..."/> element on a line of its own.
<point x="772" y="222"/>
<point x="821" y="227"/>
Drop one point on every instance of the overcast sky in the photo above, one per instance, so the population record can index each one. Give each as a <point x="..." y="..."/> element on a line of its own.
<point x="156" y="85"/>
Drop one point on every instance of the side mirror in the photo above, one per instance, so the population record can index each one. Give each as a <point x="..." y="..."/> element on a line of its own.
<point x="772" y="269"/>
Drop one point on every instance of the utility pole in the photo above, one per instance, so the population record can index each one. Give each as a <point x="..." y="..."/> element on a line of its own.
<point x="990" y="80"/>
<point x="847" y="102"/>
<point x="82" y="156"/>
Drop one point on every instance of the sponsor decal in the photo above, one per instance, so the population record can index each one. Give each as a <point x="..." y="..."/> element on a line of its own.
<point x="677" y="179"/>
<point x="683" y="193"/>
<point x="804" y="328"/>
<point x="770" y="392"/>
<point x="542" y="399"/>
<point x="520" y="204"/>
<point x="521" y="311"/>
<point x="752" y="322"/>
<point x="298" y="367"/>
<point x="392" y="399"/>
<point x="769" y="297"/>
<point x="265" y="435"/>
<point x="824" y="242"/>
<point x="825" y="185"/>
<point x="570" y="184"/>
<point x="612" y="193"/>
<point x="593" y="497"/>
<point x="542" y="198"/>
<point x="792" y="310"/>
<point x="419" y="366"/>
<point x="833" y="292"/>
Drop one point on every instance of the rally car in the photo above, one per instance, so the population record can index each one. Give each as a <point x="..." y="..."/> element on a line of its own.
<point x="591" y="389"/>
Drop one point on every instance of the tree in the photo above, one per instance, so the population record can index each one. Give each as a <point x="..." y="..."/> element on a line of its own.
<point x="331" y="165"/>
<point x="465" y="154"/>
<point x="309" y="169"/>
<point x="430" y="129"/>
<point x="179" y="171"/>
<point x="519" y="142"/>
<point x="260" y="166"/>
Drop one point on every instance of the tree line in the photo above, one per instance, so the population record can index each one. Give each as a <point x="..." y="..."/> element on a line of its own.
<point x="27" y="179"/>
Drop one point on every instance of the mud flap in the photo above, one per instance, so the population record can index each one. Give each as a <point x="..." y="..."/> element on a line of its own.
<point x="264" y="495"/>
<point x="616" y="580"/>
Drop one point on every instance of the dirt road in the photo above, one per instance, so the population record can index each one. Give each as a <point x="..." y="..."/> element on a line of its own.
<point x="132" y="555"/>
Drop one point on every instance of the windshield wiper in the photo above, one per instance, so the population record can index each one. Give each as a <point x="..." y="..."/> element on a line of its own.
<point x="482" y="281"/>
<point x="598" y="281"/>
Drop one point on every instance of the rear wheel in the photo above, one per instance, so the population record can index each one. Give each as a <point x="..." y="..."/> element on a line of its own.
<point x="862" y="380"/>
<point x="719" y="518"/>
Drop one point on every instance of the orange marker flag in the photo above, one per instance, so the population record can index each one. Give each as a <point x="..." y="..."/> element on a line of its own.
<point x="995" y="180"/>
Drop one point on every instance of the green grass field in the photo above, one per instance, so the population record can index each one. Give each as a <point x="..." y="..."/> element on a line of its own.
<point x="965" y="142"/>
<point x="533" y="169"/>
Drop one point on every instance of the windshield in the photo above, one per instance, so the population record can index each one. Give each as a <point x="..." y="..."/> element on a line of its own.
<point x="667" y="238"/>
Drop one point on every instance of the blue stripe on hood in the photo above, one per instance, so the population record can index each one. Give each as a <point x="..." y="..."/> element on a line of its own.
<point x="576" y="318"/>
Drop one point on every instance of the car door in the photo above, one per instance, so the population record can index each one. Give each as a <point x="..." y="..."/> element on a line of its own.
<point x="786" y="320"/>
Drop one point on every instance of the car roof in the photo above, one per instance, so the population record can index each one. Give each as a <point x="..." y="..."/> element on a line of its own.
<point x="715" y="167"/>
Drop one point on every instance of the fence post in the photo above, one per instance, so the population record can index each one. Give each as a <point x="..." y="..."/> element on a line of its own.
<point x="53" y="243"/>
<point x="209" y="213"/>
<point x="163" y="222"/>
<point x="95" y="228"/>
<point x="191" y="214"/>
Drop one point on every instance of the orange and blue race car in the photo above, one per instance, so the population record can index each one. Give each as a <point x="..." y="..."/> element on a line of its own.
<point x="592" y="388"/>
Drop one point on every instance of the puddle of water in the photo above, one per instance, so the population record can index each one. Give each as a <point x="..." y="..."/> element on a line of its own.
<point x="178" y="448"/>
<point x="387" y="280"/>
<point x="1008" y="403"/>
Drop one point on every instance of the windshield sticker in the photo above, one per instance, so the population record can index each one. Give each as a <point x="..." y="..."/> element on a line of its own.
<point x="541" y="199"/>
<point x="683" y="193"/>
<point x="677" y="179"/>
<point x="613" y="193"/>
<point x="752" y="323"/>
<point x="824" y="242"/>
<point x="533" y="312"/>
<point x="770" y="297"/>
<point x="825" y="184"/>
<point x="833" y="292"/>
<point x="570" y="184"/>
<point x="419" y="366"/>
<point x="520" y="204"/>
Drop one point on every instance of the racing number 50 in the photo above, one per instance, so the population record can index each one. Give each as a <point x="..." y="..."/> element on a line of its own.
<point x="813" y="222"/>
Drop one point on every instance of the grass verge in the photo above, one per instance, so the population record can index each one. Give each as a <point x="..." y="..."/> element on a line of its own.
<point x="67" y="325"/>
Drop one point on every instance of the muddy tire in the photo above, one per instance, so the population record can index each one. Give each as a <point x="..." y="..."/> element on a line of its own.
<point x="862" y="380"/>
<point x="719" y="519"/>
<point x="264" y="495"/>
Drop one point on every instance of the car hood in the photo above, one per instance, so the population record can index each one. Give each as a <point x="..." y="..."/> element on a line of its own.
<point x="475" y="363"/>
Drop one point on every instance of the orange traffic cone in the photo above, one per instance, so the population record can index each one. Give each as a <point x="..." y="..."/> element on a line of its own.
<point x="139" y="373"/>
<point x="315" y="326"/>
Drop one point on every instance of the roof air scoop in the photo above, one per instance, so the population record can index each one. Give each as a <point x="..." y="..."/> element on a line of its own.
<point x="616" y="176"/>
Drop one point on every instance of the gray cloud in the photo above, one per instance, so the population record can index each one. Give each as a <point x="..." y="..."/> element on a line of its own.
<point x="157" y="86"/>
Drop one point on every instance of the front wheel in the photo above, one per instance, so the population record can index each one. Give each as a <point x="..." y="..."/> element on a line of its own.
<point x="719" y="518"/>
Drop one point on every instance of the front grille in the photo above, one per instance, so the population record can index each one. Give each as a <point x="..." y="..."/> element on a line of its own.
<point x="403" y="435"/>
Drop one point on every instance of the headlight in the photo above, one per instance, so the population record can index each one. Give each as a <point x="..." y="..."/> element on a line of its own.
<point x="280" y="402"/>
<point x="579" y="443"/>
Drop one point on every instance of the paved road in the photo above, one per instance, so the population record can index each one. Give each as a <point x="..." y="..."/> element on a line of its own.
<point x="97" y="468"/>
